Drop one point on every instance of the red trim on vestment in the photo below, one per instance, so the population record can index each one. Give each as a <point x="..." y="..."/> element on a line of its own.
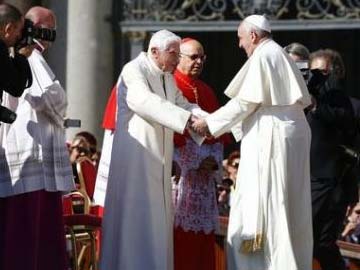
<point x="109" y="119"/>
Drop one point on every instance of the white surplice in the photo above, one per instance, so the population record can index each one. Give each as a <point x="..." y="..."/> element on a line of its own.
<point x="272" y="195"/>
<point x="34" y="155"/>
<point x="138" y="219"/>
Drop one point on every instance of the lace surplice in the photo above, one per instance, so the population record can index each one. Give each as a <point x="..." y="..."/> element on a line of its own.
<point x="195" y="198"/>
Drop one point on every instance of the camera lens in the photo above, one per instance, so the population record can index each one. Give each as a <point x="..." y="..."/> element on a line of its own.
<point x="7" y="116"/>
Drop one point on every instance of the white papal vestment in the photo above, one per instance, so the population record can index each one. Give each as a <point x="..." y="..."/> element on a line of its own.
<point x="272" y="196"/>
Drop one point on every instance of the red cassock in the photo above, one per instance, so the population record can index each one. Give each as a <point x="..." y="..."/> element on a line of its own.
<point x="28" y="218"/>
<point x="109" y="119"/>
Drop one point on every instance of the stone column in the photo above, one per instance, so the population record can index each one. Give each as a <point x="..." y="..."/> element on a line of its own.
<point x="89" y="63"/>
<point x="56" y="55"/>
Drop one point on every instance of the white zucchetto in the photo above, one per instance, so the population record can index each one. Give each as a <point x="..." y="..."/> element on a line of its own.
<point x="259" y="21"/>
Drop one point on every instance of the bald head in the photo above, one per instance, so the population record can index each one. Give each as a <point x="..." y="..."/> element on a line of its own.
<point x="192" y="58"/>
<point x="189" y="43"/>
<point x="42" y="17"/>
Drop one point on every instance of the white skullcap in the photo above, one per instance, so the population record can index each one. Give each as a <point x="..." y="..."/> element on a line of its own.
<point x="259" y="21"/>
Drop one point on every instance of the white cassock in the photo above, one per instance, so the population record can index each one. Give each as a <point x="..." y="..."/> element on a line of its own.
<point x="34" y="155"/>
<point x="138" y="219"/>
<point x="270" y="225"/>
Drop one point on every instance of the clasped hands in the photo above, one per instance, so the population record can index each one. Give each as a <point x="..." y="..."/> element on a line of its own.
<point x="198" y="125"/>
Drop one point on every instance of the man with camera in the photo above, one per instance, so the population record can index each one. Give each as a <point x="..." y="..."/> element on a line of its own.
<point x="333" y="125"/>
<point x="37" y="168"/>
<point x="15" y="76"/>
<point x="14" y="69"/>
<point x="332" y="122"/>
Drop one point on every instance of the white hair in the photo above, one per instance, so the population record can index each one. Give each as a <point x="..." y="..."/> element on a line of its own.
<point x="162" y="39"/>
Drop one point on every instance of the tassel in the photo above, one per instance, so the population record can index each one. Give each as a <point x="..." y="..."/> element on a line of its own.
<point x="252" y="245"/>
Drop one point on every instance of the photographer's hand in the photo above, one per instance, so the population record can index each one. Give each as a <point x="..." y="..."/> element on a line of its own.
<point x="27" y="50"/>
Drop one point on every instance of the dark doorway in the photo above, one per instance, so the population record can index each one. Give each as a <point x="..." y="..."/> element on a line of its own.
<point x="225" y="59"/>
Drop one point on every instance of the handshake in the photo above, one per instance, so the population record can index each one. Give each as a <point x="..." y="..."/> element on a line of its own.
<point x="198" y="125"/>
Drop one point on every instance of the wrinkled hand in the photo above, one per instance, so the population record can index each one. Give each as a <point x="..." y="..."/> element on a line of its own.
<point x="200" y="126"/>
<point x="193" y="118"/>
<point x="190" y="121"/>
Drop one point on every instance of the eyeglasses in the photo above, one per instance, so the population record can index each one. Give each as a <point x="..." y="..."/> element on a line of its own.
<point x="194" y="57"/>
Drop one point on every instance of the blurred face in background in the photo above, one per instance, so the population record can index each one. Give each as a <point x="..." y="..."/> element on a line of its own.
<point x="233" y="167"/>
<point x="322" y="64"/>
<point x="354" y="216"/>
<point x="295" y="57"/>
<point x="78" y="148"/>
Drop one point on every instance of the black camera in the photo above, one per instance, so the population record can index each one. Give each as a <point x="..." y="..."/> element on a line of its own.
<point x="316" y="81"/>
<point x="303" y="66"/>
<point x="69" y="123"/>
<point x="7" y="116"/>
<point x="31" y="32"/>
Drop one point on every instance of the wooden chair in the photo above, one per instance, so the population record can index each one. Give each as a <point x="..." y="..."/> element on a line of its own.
<point x="220" y="243"/>
<point x="350" y="251"/>
<point x="347" y="250"/>
<point x="87" y="172"/>
<point x="87" y="175"/>
<point x="82" y="227"/>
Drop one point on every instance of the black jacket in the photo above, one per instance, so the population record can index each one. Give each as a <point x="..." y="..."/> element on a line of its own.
<point x="15" y="72"/>
<point x="332" y="124"/>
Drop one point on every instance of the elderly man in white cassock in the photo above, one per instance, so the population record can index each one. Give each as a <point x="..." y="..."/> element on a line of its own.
<point x="138" y="218"/>
<point x="270" y="218"/>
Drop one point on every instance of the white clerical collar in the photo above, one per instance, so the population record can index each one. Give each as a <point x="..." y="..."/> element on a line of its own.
<point x="261" y="45"/>
<point x="155" y="69"/>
